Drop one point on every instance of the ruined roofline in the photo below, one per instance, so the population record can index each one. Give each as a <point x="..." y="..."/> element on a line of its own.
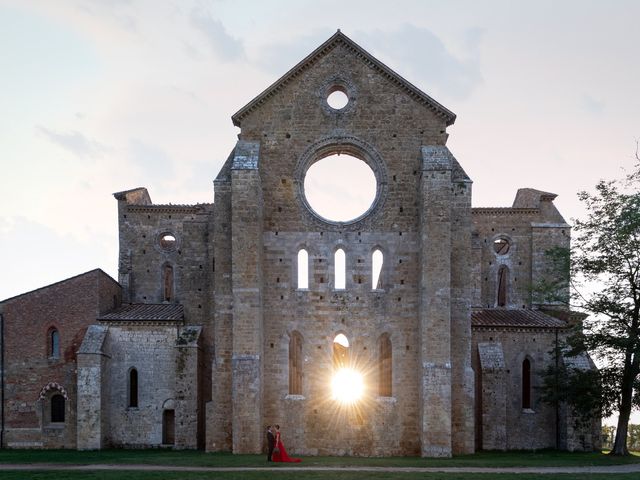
<point x="504" y="211"/>
<point x="332" y="42"/>
<point x="59" y="282"/>
<point x="170" y="208"/>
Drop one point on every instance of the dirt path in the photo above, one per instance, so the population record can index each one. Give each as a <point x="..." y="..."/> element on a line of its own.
<point x="629" y="468"/>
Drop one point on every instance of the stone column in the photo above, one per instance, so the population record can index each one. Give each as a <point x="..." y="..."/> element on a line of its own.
<point x="92" y="417"/>
<point x="462" y="385"/>
<point x="246" y="247"/>
<point x="435" y="302"/>
<point x="494" y="396"/>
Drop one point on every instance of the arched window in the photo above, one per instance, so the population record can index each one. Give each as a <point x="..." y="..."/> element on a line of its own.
<point x="133" y="387"/>
<point x="384" y="366"/>
<point x="340" y="264"/>
<point x="167" y="279"/>
<point x="526" y="383"/>
<point x="303" y="269"/>
<point x="57" y="408"/>
<point x="340" y="351"/>
<point x="54" y="343"/>
<point x="503" y="280"/>
<point x="376" y="269"/>
<point x="295" y="364"/>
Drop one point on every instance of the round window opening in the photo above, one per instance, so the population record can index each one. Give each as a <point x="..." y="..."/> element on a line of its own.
<point x="337" y="99"/>
<point x="167" y="241"/>
<point x="340" y="188"/>
<point x="501" y="246"/>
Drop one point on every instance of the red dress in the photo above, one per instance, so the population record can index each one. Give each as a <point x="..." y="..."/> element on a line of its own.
<point x="282" y="456"/>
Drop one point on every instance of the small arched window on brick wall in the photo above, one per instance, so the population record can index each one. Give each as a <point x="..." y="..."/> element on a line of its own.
<point x="526" y="384"/>
<point x="295" y="364"/>
<point x="303" y="269"/>
<point x="167" y="282"/>
<point x="57" y="408"/>
<point x="133" y="388"/>
<point x="384" y="366"/>
<point x="502" y="286"/>
<point x="53" y="343"/>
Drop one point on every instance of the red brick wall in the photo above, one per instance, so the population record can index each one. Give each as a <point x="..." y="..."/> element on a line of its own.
<point x="69" y="306"/>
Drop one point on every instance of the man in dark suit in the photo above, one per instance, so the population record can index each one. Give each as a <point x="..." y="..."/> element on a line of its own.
<point x="271" y="442"/>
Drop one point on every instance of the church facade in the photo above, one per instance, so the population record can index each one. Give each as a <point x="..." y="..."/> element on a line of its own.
<point x="231" y="315"/>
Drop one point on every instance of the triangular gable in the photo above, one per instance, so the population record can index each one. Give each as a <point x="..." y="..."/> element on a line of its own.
<point x="340" y="38"/>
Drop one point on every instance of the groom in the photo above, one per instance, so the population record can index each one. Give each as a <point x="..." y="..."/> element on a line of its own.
<point x="271" y="442"/>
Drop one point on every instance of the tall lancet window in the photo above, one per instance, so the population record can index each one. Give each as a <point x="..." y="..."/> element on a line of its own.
<point x="167" y="274"/>
<point x="526" y="383"/>
<point x="340" y="265"/>
<point x="340" y="351"/>
<point x="295" y="364"/>
<point x="376" y="269"/>
<point x="503" y="280"/>
<point x="303" y="269"/>
<point x="384" y="366"/>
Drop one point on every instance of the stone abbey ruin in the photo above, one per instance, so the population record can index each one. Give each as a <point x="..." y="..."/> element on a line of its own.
<point x="231" y="315"/>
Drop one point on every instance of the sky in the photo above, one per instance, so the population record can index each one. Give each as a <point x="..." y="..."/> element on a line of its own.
<point x="100" y="96"/>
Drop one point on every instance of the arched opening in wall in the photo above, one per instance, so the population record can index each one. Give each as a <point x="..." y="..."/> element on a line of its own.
<point x="295" y="364"/>
<point x="53" y="347"/>
<point x="376" y="269"/>
<point x="133" y="388"/>
<point x="167" y="282"/>
<point x="340" y="265"/>
<point x="384" y="366"/>
<point x="340" y="351"/>
<point x="168" y="427"/>
<point x="57" y="408"/>
<point x="303" y="269"/>
<point x="503" y="280"/>
<point x="346" y="385"/>
<point x="526" y="384"/>
<point x="340" y="187"/>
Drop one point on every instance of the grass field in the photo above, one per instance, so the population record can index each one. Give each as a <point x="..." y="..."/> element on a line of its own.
<point x="548" y="458"/>
<point x="300" y="476"/>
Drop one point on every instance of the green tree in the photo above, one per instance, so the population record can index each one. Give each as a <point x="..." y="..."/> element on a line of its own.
<point x="605" y="255"/>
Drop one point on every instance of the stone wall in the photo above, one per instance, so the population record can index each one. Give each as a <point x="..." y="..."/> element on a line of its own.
<point x="526" y="428"/>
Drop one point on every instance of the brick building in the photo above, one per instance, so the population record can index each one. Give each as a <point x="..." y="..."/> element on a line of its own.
<point x="239" y="313"/>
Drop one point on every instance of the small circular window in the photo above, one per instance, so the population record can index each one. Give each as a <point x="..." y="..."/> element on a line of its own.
<point x="338" y="98"/>
<point x="340" y="188"/>
<point x="168" y="241"/>
<point x="501" y="246"/>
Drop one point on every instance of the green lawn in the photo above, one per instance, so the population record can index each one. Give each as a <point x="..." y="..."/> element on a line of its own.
<point x="282" y="475"/>
<point x="197" y="458"/>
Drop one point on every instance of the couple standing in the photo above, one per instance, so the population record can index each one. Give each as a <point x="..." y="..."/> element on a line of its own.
<point x="276" y="452"/>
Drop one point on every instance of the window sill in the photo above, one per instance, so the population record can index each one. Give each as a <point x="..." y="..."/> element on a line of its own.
<point x="295" y="398"/>
<point x="528" y="411"/>
<point x="55" y="426"/>
<point x="392" y="400"/>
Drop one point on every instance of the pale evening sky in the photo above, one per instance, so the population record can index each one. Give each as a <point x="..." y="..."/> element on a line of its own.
<point x="99" y="96"/>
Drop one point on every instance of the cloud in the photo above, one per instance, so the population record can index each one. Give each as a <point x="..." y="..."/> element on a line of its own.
<point x="420" y="56"/>
<point x="592" y="105"/>
<point x="111" y="8"/>
<point x="42" y="256"/>
<point x="153" y="161"/>
<point x="278" y="58"/>
<point x="223" y="45"/>
<point x="75" y="142"/>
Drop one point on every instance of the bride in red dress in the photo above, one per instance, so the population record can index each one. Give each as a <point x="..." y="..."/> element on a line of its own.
<point x="281" y="454"/>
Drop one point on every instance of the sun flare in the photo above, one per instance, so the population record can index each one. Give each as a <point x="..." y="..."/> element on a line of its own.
<point x="347" y="386"/>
